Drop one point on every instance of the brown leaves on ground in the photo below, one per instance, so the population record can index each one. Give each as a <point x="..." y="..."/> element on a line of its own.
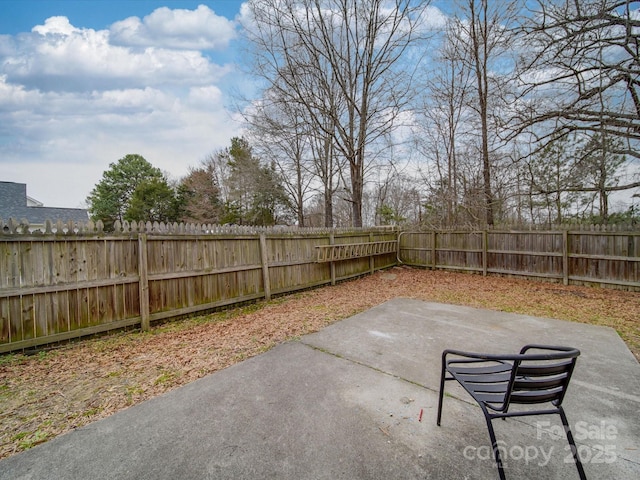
<point x="49" y="393"/>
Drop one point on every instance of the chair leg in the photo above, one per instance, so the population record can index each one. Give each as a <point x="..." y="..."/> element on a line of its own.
<point x="441" y="393"/>
<point x="572" y="444"/>
<point x="494" y="446"/>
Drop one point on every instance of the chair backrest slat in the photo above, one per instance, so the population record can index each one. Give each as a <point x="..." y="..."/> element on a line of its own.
<point x="539" y="382"/>
<point x="542" y="396"/>
<point x="545" y="369"/>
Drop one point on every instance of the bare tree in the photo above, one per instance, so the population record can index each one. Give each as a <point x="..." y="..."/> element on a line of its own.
<point x="581" y="77"/>
<point x="201" y="194"/>
<point x="280" y="133"/>
<point x="601" y="170"/>
<point x="216" y="164"/>
<point x="328" y="168"/>
<point x="444" y="115"/>
<point x="396" y="199"/>
<point x="304" y="155"/>
<point x="347" y="62"/>
<point x="485" y="35"/>
<point x="582" y="71"/>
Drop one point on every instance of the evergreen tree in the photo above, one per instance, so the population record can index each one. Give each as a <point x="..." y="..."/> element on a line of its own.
<point x="111" y="198"/>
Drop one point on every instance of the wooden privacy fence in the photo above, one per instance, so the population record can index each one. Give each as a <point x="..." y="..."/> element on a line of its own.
<point x="73" y="280"/>
<point x="70" y="282"/>
<point x="571" y="256"/>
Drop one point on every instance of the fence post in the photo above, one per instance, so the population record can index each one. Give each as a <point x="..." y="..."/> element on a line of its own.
<point x="485" y="247"/>
<point x="144" y="282"/>
<point x="433" y="250"/>
<point x="332" y="241"/>
<point x="372" y="263"/>
<point x="565" y="257"/>
<point x="265" y="266"/>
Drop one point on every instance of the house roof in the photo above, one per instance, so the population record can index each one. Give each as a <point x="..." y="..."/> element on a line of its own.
<point x="13" y="204"/>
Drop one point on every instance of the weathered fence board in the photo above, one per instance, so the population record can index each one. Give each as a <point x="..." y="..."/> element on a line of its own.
<point x="78" y="281"/>
<point x="595" y="257"/>
<point x="59" y="286"/>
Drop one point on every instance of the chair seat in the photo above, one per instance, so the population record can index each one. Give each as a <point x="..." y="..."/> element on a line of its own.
<point x="486" y="383"/>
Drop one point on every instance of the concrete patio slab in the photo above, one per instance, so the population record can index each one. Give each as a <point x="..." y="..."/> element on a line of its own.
<point x="358" y="400"/>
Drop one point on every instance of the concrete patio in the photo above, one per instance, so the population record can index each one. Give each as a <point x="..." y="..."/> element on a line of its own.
<point x="358" y="400"/>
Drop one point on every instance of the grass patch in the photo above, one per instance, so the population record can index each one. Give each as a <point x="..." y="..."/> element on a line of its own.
<point x="27" y="440"/>
<point x="165" y="378"/>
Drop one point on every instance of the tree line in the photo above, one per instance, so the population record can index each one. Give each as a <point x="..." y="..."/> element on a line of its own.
<point x="231" y="186"/>
<point x="383" y="112"/>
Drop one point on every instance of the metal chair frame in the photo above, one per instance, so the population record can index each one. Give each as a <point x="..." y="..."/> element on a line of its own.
<point x="496" y="382"/>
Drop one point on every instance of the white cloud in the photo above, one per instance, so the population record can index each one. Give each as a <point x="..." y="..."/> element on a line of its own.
<point x="59" y="56"/>
<point x="55" y="25"/>
<point x="72" y="101"/>
<point x="60" y="143"/>
<point x="434" y="19"/>
<point x="199" y="29"/>
<point x="205" y="95"/>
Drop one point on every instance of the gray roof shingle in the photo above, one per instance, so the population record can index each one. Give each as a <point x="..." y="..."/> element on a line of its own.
<point x="13" y="204"/>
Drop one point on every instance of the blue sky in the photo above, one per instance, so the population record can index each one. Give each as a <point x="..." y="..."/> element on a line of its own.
<point x="21" y="15"/>
<point x="86" y="82"/>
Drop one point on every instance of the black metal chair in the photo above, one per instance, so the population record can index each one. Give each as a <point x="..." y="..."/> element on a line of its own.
<point x="496" y="382"/>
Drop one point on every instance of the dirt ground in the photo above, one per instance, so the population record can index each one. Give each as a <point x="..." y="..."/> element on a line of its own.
<point x="56" y="390"/>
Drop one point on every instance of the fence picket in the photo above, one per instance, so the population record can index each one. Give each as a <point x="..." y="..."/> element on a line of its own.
<point x="587" y="255"/>
<point x="75" y="279"/>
